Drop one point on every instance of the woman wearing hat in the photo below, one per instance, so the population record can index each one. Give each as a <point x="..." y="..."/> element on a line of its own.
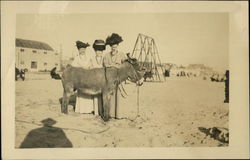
<point x="99" y="46"/>
<point x="114" y="58"/>
<point x="83" y="59"/>
<point x="84" y="103"/>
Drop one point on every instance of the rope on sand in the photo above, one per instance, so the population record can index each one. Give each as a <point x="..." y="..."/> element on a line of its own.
<point x="73" y="129"/>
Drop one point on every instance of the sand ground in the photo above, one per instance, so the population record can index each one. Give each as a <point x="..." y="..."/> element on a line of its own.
<point x="170" y="114"/>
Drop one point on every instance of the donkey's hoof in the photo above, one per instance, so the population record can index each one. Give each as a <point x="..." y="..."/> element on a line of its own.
<point x="64" y="112"/>
<point x="105" y="119"/>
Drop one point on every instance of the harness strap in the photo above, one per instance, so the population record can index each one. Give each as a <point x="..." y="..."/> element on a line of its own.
<point x="122" y="93"/>
<point x="119" y="84"/>
<point x="121" y="88"/>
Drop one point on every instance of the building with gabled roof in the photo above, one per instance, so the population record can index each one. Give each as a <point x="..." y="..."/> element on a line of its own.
<point x="32" y="44"/>
<point x="36" y="56"/>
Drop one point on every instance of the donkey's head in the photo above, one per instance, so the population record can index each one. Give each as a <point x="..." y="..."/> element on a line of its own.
<point x="135" y="74"/>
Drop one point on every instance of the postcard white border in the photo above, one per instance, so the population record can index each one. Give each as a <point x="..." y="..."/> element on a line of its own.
<point x="238" y="61"/>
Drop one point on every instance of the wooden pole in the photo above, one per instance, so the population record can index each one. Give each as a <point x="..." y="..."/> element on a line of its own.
<point x="156" y="50"/>
<point x="163" y="71"/>
<point x="142" y="47"/>
<point x="147" y="53"/>
<point x="136" y="43"/>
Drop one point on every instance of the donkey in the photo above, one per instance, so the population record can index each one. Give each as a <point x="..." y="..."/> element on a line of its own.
<point x="99" y="81"/>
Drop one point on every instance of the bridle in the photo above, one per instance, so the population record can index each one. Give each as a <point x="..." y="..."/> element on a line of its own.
<point x="118" y="83"/>
<point x="136" y="74"/>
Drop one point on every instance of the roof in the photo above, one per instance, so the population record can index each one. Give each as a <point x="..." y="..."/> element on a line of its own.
<point x="32" y="44"/>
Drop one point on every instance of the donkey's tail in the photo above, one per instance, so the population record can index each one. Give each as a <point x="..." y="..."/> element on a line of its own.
<point x="56" y="76"/>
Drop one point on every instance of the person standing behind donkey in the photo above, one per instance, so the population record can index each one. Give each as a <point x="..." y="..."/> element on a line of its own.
<point x="97" y="60"/>
<point x="114" y="58"/>
<point x="227" y="87"/>
<point x="84" y="103"/>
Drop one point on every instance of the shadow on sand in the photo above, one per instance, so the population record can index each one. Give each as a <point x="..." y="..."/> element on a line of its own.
<point x="46" y="137"/>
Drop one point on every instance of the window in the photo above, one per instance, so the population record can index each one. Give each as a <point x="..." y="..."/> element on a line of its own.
<point x="45" y="52"/>
<point x="34" y="51"/>
<point x="22" y="62"/>
<point x="22" y="50"/>
<point x="34" y="65"/>
<point x="45" y="64"/>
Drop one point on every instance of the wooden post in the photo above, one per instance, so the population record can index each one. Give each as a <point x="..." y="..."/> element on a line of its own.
<point x="136" y="43"/>
<point x="159" y="59"/>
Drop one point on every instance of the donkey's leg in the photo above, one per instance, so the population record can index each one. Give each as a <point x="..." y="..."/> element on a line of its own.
<point x="65" y="102"/>
<point x="68" y="90"/>
<point x="106" y="106"/>
<point x="100" y="105"/>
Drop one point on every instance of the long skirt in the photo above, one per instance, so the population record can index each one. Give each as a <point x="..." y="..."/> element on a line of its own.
<point x="84" y="104"/>
<point x="124" y="107"/>
<point x="98" y="108"/>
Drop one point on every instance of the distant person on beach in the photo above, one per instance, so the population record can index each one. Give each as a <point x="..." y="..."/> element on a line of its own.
<point x="20" y="73"/>
<point x="227" y="87"/>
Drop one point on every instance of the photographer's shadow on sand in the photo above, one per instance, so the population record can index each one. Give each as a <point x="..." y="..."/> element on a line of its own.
<point x="46" y="137"/>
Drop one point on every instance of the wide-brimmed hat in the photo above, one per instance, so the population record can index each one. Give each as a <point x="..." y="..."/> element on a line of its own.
<point x="80" y="44"/>
<point x="99" y="45"/>
<point x="113" y="39"/>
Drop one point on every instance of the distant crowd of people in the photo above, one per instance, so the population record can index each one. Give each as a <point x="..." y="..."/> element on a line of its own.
<point x="217" y="78"/>
<point x="20" y="73"/>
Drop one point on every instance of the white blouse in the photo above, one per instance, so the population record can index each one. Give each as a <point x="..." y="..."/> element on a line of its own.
<point x="97" y="61"/>
<point x="84" y="61"/>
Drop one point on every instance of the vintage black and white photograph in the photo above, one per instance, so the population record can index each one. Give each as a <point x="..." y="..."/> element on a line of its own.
<point x="122" y="80"/>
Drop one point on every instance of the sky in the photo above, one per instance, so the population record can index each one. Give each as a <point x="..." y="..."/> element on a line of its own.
<point x="181" y="38"/>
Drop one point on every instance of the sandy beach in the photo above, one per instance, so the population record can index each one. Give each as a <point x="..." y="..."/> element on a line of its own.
<point x="171" y="114"/>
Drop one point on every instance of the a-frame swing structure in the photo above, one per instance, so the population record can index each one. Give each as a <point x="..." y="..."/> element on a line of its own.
<point x="145" y="51"/>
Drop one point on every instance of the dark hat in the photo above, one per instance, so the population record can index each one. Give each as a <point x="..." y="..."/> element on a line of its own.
<point x="113" y="39"/>
<point x="48" y="122"/>
<point x="99" y="45"/>
<point x="80" y="44"/>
